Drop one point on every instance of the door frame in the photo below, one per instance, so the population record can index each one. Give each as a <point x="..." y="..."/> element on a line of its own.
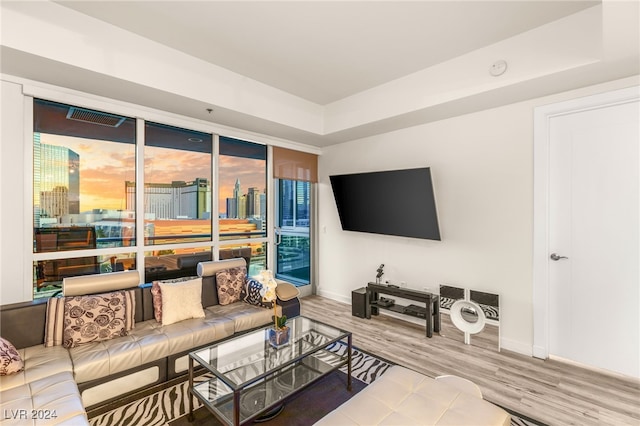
<point x="541" y="211"/>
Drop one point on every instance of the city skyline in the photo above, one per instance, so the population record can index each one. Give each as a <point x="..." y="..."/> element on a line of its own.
<point x="105" y="167"/>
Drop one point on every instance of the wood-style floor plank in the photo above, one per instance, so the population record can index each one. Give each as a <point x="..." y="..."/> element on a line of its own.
<point x="551" y="391"/>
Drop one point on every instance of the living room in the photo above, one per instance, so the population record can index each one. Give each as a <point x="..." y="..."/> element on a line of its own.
<point x="475" y="132"/>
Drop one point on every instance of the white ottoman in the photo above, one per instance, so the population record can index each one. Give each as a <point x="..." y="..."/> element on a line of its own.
<point x="403" y="397"/>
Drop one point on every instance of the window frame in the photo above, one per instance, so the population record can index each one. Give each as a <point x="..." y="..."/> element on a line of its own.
<point x="142" y="115"/>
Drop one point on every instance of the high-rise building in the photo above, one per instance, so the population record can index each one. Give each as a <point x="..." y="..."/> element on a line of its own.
<point x="56" y="177"/>
<point x="253" y="202"/>
<point x="251" y="205"/>
<point x="232" y="208"/>
<point x="173" y="200"/>
<point x="242" y="207"/>
<point x="302" y="203"/>
<point x="263" y="204"/>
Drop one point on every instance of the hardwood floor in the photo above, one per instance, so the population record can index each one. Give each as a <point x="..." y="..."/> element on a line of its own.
<point x="551" y="391"/>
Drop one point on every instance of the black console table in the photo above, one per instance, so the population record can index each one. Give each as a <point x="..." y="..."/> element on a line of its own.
<point x="431" y="311"/>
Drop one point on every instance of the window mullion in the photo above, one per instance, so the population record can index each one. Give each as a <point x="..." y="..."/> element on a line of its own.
<point x="215" y="195"/>
<point x="270" y="210"/>
<point x="139" y="209"/>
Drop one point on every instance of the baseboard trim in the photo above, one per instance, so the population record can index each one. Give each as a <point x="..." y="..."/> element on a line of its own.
<point x="515" y="346"/>
<point x="540" y="352"/>
<point x="334" y="296"/>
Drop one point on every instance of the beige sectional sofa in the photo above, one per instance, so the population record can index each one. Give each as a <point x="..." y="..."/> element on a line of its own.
<point x="58" y="384"/>
<point x="97" y="372"/>
<point x="404" y="397"/>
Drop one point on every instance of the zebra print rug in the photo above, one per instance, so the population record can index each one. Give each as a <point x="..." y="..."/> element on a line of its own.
<point x="164" y="406"/>
<point x="169" y="404"/>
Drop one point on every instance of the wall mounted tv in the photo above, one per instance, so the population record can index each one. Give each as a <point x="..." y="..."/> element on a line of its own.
<point x="396" y="202"/>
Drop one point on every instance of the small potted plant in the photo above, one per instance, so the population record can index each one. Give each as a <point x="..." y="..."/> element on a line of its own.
<point x="279" y="334"/>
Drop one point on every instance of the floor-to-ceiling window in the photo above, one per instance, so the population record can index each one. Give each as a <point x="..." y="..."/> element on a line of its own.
<point x="295" y="175"/>
<point x="114" y="193"/>
<point x="242" y="201"/>
<point x="82" y="159"/>
<point x="177" y="200"/>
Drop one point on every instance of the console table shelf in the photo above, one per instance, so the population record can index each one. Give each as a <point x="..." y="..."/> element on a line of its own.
<point x="431" y="302"/>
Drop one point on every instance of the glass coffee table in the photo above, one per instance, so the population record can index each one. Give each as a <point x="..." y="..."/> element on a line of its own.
<point x="250" y="378"/>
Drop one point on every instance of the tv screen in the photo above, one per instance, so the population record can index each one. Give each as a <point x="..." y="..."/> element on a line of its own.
<point x="396" y="202"/>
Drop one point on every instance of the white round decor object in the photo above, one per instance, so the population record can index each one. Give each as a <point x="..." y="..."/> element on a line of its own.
<point x="465" y="308"/>
<point x="498" y="68"/>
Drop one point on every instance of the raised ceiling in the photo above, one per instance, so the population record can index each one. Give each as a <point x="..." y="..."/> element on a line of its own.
<point x="318" y="73"/>
<point x="324" y="51"/>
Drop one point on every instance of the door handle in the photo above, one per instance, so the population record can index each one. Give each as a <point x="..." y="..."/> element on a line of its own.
<point x="555" y="257"/>
<point x="278" y="235"/>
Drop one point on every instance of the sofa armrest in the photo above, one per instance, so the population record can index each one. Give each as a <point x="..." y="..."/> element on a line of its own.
<point x="291" y="307"/>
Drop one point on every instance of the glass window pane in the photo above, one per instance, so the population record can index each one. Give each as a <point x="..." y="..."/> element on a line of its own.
<point x="178" y="263"/>
<point x="293" y="248"/>
<point x="48" y="274"/>
<point x="81" y="161"/>
<point x="293" y="262"/>
<point x="286" y="203"/>
<point x="177" y="173"/>
<point x="255" y="254"/>
<point x="242" y="178"/>
<point x="302" y="204"/>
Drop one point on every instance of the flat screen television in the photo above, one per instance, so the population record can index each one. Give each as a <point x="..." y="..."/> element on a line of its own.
<point x="396" y="202"/>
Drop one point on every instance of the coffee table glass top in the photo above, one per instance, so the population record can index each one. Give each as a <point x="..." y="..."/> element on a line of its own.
<point x="244" y="358"/>
<point x="249" y="375"/>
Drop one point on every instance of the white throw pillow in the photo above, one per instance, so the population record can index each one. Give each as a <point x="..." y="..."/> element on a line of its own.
<point x="181" y="300"/>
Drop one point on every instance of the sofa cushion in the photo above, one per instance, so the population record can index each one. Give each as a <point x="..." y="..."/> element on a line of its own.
<point x="286" y="291"/>
<point x="156" y="294"/>
<point x="97" y="317"/>
<point x="192" y="333"/>
<point x="230" y="283"/>
<point x="54" y="322"/>
<point x="74" y="320"/>
<point x="54" y="398"/>
<point x="10" y="359"/>
<point x="157" y="300"/>
<point x="252" y="293"/>
<point x="100" y="283"/>
<point x="243" y="315"/>
<point x="208" y="269"/>
<point x="39" y="362"/>
<point x="181" y="300"/>
<point x="148" y="342"/>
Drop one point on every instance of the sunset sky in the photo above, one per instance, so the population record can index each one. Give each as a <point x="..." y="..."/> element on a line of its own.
<point x="105" y="166"/>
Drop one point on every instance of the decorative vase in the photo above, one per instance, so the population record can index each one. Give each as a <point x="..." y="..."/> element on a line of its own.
<point x="279" y="337"/>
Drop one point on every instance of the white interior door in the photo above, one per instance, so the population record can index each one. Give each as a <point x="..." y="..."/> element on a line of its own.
<point x="594" y="192"/>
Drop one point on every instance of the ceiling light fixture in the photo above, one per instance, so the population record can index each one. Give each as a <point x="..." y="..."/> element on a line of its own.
<point x="194" y="140"/>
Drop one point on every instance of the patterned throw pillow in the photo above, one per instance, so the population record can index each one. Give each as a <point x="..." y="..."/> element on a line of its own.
<point x="181" y="300"/>
<point x="230" y="283"/>
<point x="54" y="324"/>
<point x="10" y="361"/>
<point x="252" y="294"/>
<point x="73" y="320"/>
<point x="97" y="317"/>
<point x="156" y="294"/>
<point x="156" y="297"/>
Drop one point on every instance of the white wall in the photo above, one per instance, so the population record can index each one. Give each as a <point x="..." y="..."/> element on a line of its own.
<point x="482" y="167"/>
<point x="12" y="201"/>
